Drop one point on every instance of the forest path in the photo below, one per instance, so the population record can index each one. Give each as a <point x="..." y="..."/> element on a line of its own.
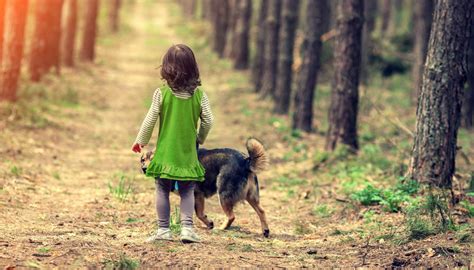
<point x="58" y="209"/>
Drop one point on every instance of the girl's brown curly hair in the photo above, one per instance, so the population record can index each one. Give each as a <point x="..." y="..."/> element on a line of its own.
<point x="180" y="69"/>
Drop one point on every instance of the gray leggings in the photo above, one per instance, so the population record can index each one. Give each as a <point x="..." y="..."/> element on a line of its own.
<point x="186" y="192"/>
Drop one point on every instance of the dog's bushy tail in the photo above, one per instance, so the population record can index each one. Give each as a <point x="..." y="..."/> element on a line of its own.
<point x="257" y="156"/>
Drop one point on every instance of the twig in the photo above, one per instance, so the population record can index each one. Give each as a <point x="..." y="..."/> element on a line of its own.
<point x="367" y="246"/>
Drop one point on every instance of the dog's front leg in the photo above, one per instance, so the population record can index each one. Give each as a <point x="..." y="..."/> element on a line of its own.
<point x="199" y="202"/>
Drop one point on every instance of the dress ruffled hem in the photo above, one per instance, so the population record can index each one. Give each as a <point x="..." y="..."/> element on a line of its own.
<point x="195" y="173"/>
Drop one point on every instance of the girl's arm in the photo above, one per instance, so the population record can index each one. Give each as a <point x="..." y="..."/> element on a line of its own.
<point x="148" y="124"/>
<point x="206" y="119"/>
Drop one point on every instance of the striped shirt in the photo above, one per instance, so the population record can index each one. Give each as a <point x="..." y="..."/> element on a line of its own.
<point x="148" y="124"/>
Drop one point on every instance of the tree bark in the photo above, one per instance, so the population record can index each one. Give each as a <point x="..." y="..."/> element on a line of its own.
<point x="345" y="93"/>
<point x="45" y="47"/>
<point x="114" y="15"/>
<point x="468" y="102"/>
<point x="370" y="11"/>
<point x="231" y="47"/>
<point x="289" y="23"/>
<point x="69" y="37"/>
<point x="439" y="105"/>
<point x="311" y="55"/>
<point x="15" y="16"/>
<point x="221" y="10"/>
<point x="90" y="30"/>
<point x="242" y="34"/>
<point x="257" y="66"/>
<point x="270" y="67"/>
<point x="2" y="20"/>
<point x="386" y="10"/>
<point x="422" y="26"/>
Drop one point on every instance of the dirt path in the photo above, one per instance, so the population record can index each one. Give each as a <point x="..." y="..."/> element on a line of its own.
<point x="56" y="205"/>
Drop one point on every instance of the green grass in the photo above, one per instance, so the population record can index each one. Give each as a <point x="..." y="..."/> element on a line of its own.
<point x="322" y="211"/>
<point x="175" y="221"/>
<point x="122" y="189"/>
<point x="16" y="171"/>
<point x="123" y="263"/>
<point x="44" y="250"/>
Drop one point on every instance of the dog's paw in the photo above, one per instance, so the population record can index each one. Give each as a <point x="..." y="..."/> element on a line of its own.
<point x="266" y="233"/>
<point x="211" y="225"/>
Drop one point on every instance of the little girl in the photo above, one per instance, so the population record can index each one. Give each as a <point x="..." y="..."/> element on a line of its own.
<point x="179" y="105"/>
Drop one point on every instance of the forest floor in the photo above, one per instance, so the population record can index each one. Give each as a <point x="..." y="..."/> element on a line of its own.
<point x="71" y="193"/>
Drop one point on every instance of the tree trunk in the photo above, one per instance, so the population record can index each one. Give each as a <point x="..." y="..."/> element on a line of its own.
<point x="231" y="47"/>
<point x="2" y="19"/>
<point x="439" y="105"/>
<point x="221" y="10"/>
<point x="15" y="16"/>
<point x="345" y="93"/>
<point x="370" y="11"/>
<point x="45" y="47"/>
<point x="90" y="30"/>
<point x="311" y="55"/>
<point x="468" y="102"/>
<point x="69" y="37"/>
<point x="289" y="23"/>
<point x="206" y="10"/>
<point x="422" y="20"/>
<point x="270" y="67"/>
<point x="257" y="67"/>
<point x="114" y="15"/>
<point x="242" y="35"/>
<point x="386" y="9"/>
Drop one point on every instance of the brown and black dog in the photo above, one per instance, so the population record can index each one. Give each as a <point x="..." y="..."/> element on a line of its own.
<point x="233" y="176"/>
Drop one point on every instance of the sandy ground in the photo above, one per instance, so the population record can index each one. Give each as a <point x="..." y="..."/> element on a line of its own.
<point x="57" y="210"/>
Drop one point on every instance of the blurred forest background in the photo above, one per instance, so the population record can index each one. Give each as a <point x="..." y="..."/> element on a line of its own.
<point x="365" y="106"/>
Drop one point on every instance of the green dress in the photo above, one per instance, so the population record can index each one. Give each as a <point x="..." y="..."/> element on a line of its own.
<point x="176" y="154"/>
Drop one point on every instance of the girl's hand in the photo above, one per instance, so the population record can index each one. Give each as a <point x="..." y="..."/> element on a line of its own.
<point x="137" y="148"/>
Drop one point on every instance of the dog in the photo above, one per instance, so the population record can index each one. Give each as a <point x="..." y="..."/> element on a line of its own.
<point x="233" y="176"/>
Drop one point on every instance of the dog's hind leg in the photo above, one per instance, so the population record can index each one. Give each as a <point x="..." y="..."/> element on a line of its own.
<point x="229" y="211"/>
<point x="253" y="200"/>
<point x="199" y="202"/>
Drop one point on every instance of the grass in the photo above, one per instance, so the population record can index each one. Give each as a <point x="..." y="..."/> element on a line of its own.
<point x="122" y="189"/>
<point x="123" y="263"/>
<point x="175" y="221"/>
<point x="322" y="211"/>
<point x="16" y="170"/>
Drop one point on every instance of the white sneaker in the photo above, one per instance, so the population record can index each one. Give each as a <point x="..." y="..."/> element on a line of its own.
<point x="161" y="234"/>
<point x="189" y="236"/>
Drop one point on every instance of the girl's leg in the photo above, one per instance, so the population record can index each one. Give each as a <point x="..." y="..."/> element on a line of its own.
<point x="186" y="192"/>
<point x="163" y="187"/>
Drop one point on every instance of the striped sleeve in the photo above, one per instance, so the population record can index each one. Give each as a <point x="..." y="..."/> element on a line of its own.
<point x="146" y="130"/>
<point x="206" y="119"/>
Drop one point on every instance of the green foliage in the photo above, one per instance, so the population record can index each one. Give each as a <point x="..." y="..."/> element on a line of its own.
<point x="16" y="171"/>
<point x="301" y="229"/>
<point x="322" y="210"/>
<point x="469" y="207"/>
<point x="391" y="198"/>
<point x="175" y="221"/>
<point x="44" y="250"/>
<point x="123" y="263"/>
<point x="428" y="215"/>
<point x="123" y="188"/>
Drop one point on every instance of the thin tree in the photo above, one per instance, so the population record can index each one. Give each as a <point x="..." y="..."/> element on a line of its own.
<point x="270" y="63"/>
<point x="439" y="105"/>
<point x="15" y="16"/>
<point x="308" y="74"/>
<point x="232" y="18"/>
<point x="45" y="47"/>
<point x="257" y="66"/>
<point x="370" y="12"/>
<point x="468" y="102"/>
<point x="69" y="33"/>
<point x="241" y="57"/>
<point x="2" y="19"/>
<point x="87" y="52"/>
<point x="220" y="24"/>
<point x="289" y="23"/>
<point x="386" y="12"/>
<point x="345" y="92"/>
<point x="422" y="26"/>
<point x="114" y="15"/>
